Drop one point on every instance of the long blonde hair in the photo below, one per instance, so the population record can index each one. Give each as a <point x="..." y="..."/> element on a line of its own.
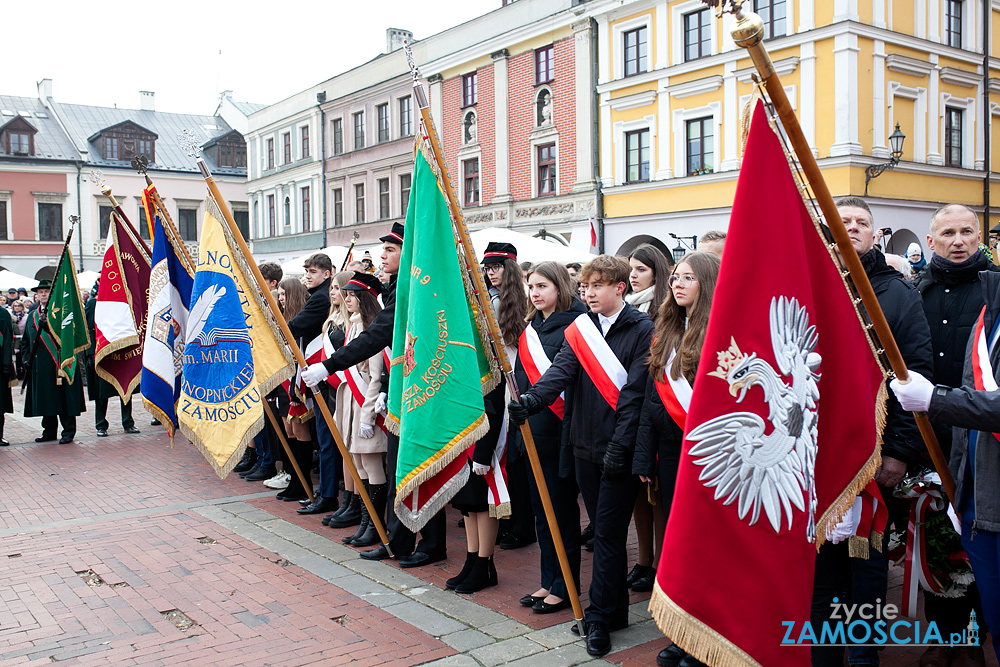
<point x="339" y="317"/>
<point x="683" y="328"/>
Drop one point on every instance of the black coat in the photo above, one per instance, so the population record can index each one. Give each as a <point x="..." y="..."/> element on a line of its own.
<point x="594" y="423"/>
<point x="6" y="361"/>
<point x="372" y="340"/>
<point x="308" y="323"/>
<point x="904" y="312"/>
<point x="44" y="395"/>
<point x="658" y="437"/>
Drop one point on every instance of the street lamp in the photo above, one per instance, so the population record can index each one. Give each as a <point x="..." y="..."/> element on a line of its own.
<point x="682" y="248"/>
<point x="896" y="144"/>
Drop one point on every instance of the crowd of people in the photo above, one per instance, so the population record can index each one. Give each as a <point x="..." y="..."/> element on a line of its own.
<point x="593" y="348"/>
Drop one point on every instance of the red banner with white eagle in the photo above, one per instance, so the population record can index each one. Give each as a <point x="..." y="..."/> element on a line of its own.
<point x="120" y="314"/>
<point x="781" y="432"/>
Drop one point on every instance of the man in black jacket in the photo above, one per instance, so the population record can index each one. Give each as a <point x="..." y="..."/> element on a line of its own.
<point x="602" y="432"/>
<point x="838" y="575"/>
<point x="372" y="341"/>
<point x="952" y="299"/>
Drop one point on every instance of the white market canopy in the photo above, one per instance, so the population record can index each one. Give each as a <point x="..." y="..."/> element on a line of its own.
<point x="529" y="248"/>
<point x="294" y="267"/>
<point x="10" y="279"/>
<point x="86" y="279"/>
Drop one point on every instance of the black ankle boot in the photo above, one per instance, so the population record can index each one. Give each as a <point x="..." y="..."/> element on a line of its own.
<point x="248" y="461"/>
<point x="345" y="501"/>
<point x="365" y="519"/>
<point x="294" y="490"/>
<point x="371" y="536"/>
<point x="351" y="515"/>
<point x="483" y="575"/>
<point x="470" y="560"/>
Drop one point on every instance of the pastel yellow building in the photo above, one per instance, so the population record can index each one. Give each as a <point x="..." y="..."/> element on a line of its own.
<point x="671" y="86"/>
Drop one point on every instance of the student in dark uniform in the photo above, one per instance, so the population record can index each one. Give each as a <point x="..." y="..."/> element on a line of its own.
<point x="46" y="397"/>
<point x="6" y="368"/>
<point x="98" y="389"/>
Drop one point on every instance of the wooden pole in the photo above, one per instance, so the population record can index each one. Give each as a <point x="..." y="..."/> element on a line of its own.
<point x="296" y="352"/>
<point x="106" y="191"/>
<point x="748" y="32"/>
<point x="288" y="450"/>
<point x="494" y="335"/>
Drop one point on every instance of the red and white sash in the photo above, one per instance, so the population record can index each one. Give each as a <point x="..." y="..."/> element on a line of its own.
<point x="334" y="379"/>
<point x="535" y="362"/>
<point x="387" y="359"/>
<point x="982" y="369"/>
<point x="496" y="478"/>
<point x="359" y="389"/>
<point x="597" y="358"/>
<point x="675" y="394"/>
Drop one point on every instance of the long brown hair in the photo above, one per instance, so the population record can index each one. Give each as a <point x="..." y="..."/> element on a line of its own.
<point x="296" y="296"/>
<point x="513" y="302"/>
<point x="670" y="332"/>
<point x="339" y="317"/>
<point x="558" y="275"/>
<point x="657" y="263"/>
<point x="367" y="306"/>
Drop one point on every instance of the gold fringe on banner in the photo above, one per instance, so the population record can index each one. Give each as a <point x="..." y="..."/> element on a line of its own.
<point x="223" y="471"/>
<point x="695" y="637"/>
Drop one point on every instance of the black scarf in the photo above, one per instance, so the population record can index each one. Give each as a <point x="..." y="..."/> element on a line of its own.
<point x="946" y="272"/>
<point x="874" y="264"/>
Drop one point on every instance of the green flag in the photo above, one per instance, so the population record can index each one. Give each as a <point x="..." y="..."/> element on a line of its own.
<point x="439" y="369"/>
<point x="65" y="317"/>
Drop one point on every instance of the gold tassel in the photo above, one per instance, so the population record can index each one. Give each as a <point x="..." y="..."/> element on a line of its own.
<point x="877" y="541"/>
<point x="857" y="547"/>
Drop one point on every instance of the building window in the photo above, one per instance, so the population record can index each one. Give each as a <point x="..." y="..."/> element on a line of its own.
<point x="359" y="130"/>
<point x="242" y="219"/>
<point x="110" y="148"/>
<point x="304" y="133"/>
<point x="700" y="146"/>
<point x="469" y="89"/>
<point x="104" y="213"/>
<point x="404" y="193"/>
<point x="20" y="143"/>
<point x="383" y="199"/>
<point x="272" y="225"/>
<point x="359" y="202"/>
<point x="635" y="51"/>
<point x="187" y="223"/>
<point x="544" y="65"/>
<point x="953" y="137"/>
<point x="470" y="177"/>
<point x="50" y="222"/>
<point x="3" y="219"/>
<point x="232" y="155"/>
<point x="697" y="34"/>
<point x="382" y="115"/>
<point x="146" y="148"/>
<point x="270" y="153"/>
<point x="547" y="170"/>
<point x="637" y="156"/>
<point x="338" y="136"/>
<point x="773" y="13"/>
<point x="286" y="148"/>
<point x="306" y="210"/>
<point x="338" y="207"/>
<point x="405" y="116"/>
<point x="953" y="23"/>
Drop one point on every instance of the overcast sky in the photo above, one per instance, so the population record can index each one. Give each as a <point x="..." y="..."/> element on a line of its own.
<point x="187" y="51"/>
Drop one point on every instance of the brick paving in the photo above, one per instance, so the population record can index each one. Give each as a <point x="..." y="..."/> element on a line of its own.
<point x="104" y="540"/>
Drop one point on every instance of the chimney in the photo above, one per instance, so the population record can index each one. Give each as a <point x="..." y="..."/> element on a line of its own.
<point x="45" y="89"/>
<point x="394" y="38"/>
<point x="146" y="101"/>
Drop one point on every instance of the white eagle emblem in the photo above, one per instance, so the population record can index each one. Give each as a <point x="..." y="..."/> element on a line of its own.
<point x="741" y="460"/>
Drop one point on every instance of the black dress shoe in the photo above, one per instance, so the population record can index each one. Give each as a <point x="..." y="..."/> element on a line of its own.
<point x="420" y="558"/>
<point x="614" y="625"/>
<point x="543" y="607"/>
<point x="45" y="438"/>
<point x="690" y="661"/>
<point x="636" y="571"/>
<point x="514" y="542"/>
<point x="670" y="656"/>
<point x="263" y="473"/>
<point x="644" y="582"/>
<point x="154" y="422"/>
<point x="530" y="600"/>
<point x="132" y="429"/>
<point x="4" y="443"/>
<point x="598" y="639"/>
<point x="378" y="553"/>
<point x="319" y="506"/>
<point x="66" y="439"/>
<point x="102" y="433"/>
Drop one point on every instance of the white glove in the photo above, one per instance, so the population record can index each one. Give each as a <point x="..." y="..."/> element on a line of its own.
<point x="479" y="468"/>
<point x="380" y="403"/>
<point x="847" y="526"/>
<point x="915" y="395"/>
<point x="367" y="431"/>
<point x="315" y="374"/>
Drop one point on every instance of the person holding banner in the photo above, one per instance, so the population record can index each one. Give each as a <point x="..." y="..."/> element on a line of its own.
<point x="335" y="334"/>
<point x="359" y="421"/>
<point x="100" y="390"/>
<point x="673" y="363"/>
<point x="554" y="307"/>
<point x="604" y="359"/>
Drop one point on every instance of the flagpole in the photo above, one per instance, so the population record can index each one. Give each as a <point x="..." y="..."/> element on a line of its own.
<point x="296" y="352"/>
<point x="288" y="450"/>
<point x="494" y="335"/>
<point x="349" y="251"/>
<point x="106" y="191"/>
<point x="748" y="32"/>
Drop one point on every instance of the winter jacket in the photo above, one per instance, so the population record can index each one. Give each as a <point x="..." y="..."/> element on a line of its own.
<point x="966" y="408"/>
<point x="350" y="415"/>
<point x="904" y="312"/>
<point x="594" y="423"/>
<point x="372" y="340"/>
<point x="308" y="323"/>
<point x="658" y="436"/>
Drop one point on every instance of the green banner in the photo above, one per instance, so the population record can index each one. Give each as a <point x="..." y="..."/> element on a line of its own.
<point x="66" y="319"/>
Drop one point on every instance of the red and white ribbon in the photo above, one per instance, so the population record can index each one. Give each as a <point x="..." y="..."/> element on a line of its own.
<point x="535" y="362"/>
<point x="916" y="573"/>
<point x="359" y="390"/>
<point x="496" y="478"/>
<point x="675" y="394"/>
<point x="597" y="358"/>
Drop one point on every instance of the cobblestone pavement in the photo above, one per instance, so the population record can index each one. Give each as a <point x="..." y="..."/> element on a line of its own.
<point x="123" y="551"/>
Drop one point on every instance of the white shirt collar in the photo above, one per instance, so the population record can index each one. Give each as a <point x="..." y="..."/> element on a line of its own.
<point x="607" y="322"/>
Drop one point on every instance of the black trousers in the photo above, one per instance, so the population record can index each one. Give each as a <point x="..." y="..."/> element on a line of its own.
<point x="402" y="540"/>
<point x="609" y="504"/>
<point x="51" y="422"/>
<point x="563" y="493"/>
<point x="101" y="413"/>
<point x="521" y="523"/>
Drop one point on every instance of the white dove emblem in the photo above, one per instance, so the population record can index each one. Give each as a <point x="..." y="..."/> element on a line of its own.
<point x="203" y="307"/>
<point x="741" y="460"/>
